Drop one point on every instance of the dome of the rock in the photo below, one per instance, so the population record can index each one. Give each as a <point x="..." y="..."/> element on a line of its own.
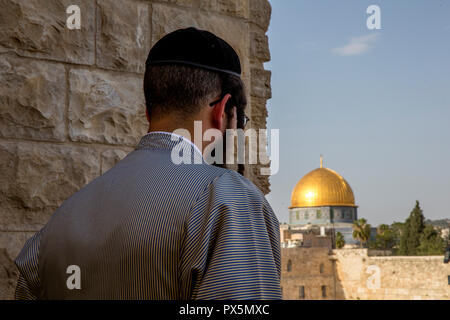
<point x="322" y="187"/>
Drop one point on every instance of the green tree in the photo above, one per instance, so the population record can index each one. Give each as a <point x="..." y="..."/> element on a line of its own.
<point x="361" y="231"/>
<point x="340" y="241"/>
<point x="411" y="233"/>
<point x="431" y="242"/>
<point x="447" y="241"/>
<point x="385" y="238"/>
<point x="397" y="230"/>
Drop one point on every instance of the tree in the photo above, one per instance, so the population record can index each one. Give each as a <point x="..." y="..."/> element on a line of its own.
<point x="397" y="229"/>
<point x="385" y="238"/>
<point x="411" y="233"/>
<point x="340" y="241"/>
<point x="447" y="241"/>
<point x="431" y="242"/>
<point x="361" y="231"/>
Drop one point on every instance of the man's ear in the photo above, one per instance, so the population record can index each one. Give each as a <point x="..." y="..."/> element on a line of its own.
<point x="218" y="112"/>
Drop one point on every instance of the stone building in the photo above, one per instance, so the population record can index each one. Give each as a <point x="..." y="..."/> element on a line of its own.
<point x="71" y="101"/>
<point x="308" y="274"/>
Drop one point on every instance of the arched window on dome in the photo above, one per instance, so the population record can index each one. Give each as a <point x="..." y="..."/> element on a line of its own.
<point x="289" y="265"/>
<point x="348" y="214"/>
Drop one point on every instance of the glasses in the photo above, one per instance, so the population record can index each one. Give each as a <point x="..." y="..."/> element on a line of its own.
<point x="246" y="118"/>
<point x="212" y="104"/>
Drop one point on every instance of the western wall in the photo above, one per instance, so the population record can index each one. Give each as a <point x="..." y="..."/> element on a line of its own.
<point x="362" y="274"/>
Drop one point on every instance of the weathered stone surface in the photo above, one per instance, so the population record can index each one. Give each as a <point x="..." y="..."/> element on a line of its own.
<point x="13" y="242"/>
<point x="260" y="86"/>
<point x="38" y="29"/>
<point x="262" y="181"/>
<point x="106" y="107"/>
<point x="110" y="157"/>
<point x="353" y="274"/>
<point x="238" y="8"/>
<point x="32" y="99"/>
<point x="36" y="178"/>
<point x="259" y="46"/>
<point x="123" y="35"/>
<point x="10" y="245"/>
<point x="8" y="276"/>
<point x="305" y="270"/>
<point x="260" y="11"/>
<point x="410" y="277"/>
<point x="258" y="113"/>
<point x="167" y="19"/>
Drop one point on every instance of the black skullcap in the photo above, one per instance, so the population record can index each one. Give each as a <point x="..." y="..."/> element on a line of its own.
<point x="197" y="48"/>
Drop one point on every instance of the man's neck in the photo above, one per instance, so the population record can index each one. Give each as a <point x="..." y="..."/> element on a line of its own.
<point x="187" y="130"/>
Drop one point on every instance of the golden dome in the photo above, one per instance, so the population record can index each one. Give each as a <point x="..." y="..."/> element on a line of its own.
<point x="322" y="187"/>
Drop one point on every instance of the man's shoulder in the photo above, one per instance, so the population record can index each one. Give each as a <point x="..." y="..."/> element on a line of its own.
<point x="232" y="182"/>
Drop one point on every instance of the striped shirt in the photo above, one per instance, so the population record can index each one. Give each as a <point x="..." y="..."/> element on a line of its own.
<point x="152" y="229"/>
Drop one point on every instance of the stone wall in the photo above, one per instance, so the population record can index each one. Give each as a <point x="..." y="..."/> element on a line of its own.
<point x="310" y="268"/>
<point x="357" y="274"/>
<point x="71" y="101"/>
<point x="362" y="276"/>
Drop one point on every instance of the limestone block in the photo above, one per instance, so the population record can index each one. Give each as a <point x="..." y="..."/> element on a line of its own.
<point x="166" y="19"/>
<point x="123" y="35"/>
<point x="260" y="11"/>
<point x="260" y="83"/>
<point x="110" y="158"/>
<point x="32" y="99"/>
<point x="238" y="8"/>
<point x="8" y="276"/>
<point x="10" y="245"/>
<point x="259" y="46"/>
<point x="258" y="113"/>
<point x="106" y="107"/>
<point x="231" y="7"/>
<point x="13" y="242"/>
<point x="37" y="28"/>
<point x="36" y="178"/>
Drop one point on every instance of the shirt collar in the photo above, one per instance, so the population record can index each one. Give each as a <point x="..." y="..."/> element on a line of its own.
<point x="165" y="140"/>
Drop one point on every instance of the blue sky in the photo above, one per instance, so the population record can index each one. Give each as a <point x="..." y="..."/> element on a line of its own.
<point x="375" y="103"/>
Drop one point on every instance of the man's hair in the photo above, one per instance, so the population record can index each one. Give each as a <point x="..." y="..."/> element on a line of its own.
<point x="181" y="90"/>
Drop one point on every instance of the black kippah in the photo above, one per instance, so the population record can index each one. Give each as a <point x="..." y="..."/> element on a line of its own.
<point x="197" y="48"/>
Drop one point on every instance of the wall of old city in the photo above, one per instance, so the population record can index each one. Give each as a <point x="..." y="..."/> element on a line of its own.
<point x="362" y="274"/>
<point x="310" y="268"/>
<point x="71" y="101"/>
